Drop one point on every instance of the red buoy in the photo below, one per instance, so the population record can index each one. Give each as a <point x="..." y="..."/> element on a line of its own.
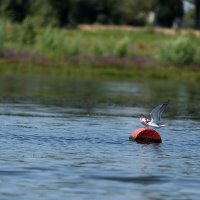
<point x="145" y="136"/>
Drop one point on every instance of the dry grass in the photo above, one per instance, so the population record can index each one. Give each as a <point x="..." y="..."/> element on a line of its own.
<point x="168" y="31"/>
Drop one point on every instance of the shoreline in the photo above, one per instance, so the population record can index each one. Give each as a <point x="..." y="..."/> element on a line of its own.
<point x="102" y="54"/>
<point x="110" y="67"/>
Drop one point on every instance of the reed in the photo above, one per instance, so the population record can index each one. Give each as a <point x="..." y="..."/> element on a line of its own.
<point x="60" y="43"/>
<point x="2" y="37"/>
<point x="122" y="47"/>
<point x="111" y="46"/>
<point x="181" y="51"/>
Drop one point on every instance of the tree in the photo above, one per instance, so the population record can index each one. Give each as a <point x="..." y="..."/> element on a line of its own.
<point x="168" y="11"/>
<point x="82" y="11"/>
<point x="42" y="13"/>
<point x="134" y="12"/>
<point x="62" y="9"/>
<point x="108" y="11"/>
<point x="71" y="12"/>
<point x="197" y="12"/>
<point x="14" y="10"/>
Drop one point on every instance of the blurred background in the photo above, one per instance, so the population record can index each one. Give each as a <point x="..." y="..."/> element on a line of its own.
<point x="56" y="30"/>
<point x="68" y="13"/>
<point x="74" y="77"/>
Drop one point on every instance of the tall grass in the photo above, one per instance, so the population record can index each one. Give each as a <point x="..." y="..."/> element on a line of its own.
<point x="2" y="37"/>
<point x="23" y="35"/>
<point x="181" y="51"/>
<point x="27" y="34"/>
<point x="121" y="48"/>
<point x="73" y="47"/>
<point x="65" y="43"/>
<point x="62" y="43"/>
<point x="47" y="43"/>
<point x="98" y="48"/>
<point x="196" y="58"/>
<point x="58" y="44"/>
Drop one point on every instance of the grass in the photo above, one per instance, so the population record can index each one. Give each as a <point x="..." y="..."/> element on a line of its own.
<point x="108" y="53"/>
<point x="106" y="72"/>
<point x="181" y="51"/>
<point x="60" y="43"/>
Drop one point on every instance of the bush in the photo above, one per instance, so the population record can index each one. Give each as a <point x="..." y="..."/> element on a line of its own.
<point x="72" y="48"/>
<point x="2" y="37"/>
<point x="47" y="39"/>
<point x="97" y="49"/>
<point x="197" y="55"/>
<point x="27" y="33"/>
<point x="58" y="43"/>
<point x="122" y="48"/>
<point x="178" y="51"/>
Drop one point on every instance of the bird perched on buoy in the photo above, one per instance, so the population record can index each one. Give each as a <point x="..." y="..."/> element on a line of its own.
<point x="155" y="117"/>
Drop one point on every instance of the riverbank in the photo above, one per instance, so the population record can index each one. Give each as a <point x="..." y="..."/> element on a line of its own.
<point x="104" y="52"/>
<point x="134" y="68"/>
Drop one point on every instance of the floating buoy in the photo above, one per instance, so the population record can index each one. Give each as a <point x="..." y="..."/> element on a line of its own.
<point x="145" y="136"/>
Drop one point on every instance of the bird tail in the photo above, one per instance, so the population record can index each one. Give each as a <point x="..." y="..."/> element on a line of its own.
<point x="162" y="125"/>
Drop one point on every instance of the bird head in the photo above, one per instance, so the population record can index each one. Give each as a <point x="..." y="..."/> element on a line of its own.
<point x="142" y="117"/>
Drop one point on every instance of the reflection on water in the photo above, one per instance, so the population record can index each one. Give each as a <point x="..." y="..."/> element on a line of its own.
<point x="68" y="139"/>
<point x="91" y="95"/>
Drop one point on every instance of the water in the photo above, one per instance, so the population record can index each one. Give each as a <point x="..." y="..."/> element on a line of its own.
<point x="68" y="139"/>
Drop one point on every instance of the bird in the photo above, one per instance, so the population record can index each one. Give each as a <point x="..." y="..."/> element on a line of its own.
<point x="155" y="116"/>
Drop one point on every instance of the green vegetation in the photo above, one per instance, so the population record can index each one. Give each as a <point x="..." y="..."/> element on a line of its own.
<point x="122" y="48"/>
<point x="57" y="44"/>
<point x="70" y="13"/>
<point x="106" y="72"/>
<point x="2" y="38"/>
<point x="178" y="51"/>
<point x="99" y="51"/>
<point x="168" y="11"/>
<point x="184" y="50"/>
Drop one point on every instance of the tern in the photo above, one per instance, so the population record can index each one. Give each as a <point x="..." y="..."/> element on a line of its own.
<point x="155" y="117"/>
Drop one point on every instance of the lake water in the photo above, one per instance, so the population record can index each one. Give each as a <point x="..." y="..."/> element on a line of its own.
<point x="68" y="139"/>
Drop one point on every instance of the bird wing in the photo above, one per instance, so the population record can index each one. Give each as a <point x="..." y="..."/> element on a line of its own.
<point x="157" y="111"/>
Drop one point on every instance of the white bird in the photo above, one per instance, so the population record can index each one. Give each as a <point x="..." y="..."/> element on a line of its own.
<point x="155" y="116"/>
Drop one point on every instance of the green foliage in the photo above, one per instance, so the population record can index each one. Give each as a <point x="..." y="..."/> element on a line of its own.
<point x="43" y="13"/>
<point x="47" y="39"/>
<point x="189" y="19"/>
<point x="63" y="43"/>
<point x="149" y="29"/>
<point x="168" y="11"/>
<point x="24" y="34"/>
<point x="72" y="48"/>
<point x="122" y="47"/>
<point x="135" y="12"/>
<point x="16" y="33"/>
<point x="14" y="10"/>
<point x="197" y="54"/>
<point x="48" y="42"/>
<point x="28" y="33"/>
<point x="70" y="13"/>
<point x="58" y="44"/>
<point x="98" y="49"/>
<point x="178" y="51"/>
<point x="2" y="37"/>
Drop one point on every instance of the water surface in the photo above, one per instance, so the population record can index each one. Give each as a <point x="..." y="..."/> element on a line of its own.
<point x="68" y="139"/>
